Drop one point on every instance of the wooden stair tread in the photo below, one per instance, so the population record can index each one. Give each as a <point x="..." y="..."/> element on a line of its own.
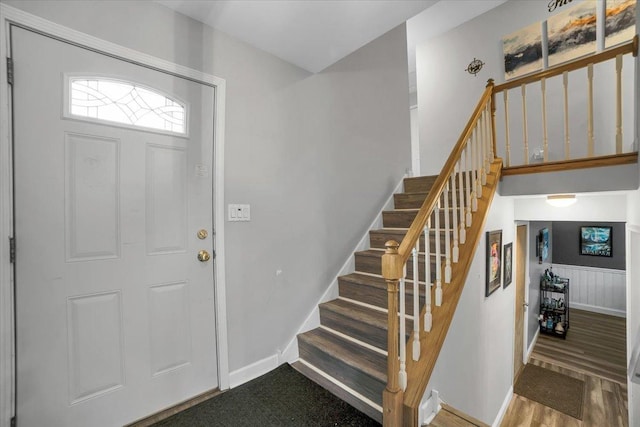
<point x="398" y="230"/>
<point x="368" y="361"/>
<point x="407" y="210"/>
<point x="364" y="324"/>
<point x="419" y="183"/>
<point x="373" y="253"/>
<point x="373" y="281"/>
<point x="372" y="290"/>
<point x="378" y="253"/>
<point x="338" y="391"/>
<point x="366" y="280"/>
<point x="358" y="312"/>
<point x="451" y="417"/>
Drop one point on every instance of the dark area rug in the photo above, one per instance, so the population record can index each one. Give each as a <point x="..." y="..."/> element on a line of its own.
<point x="283" y="397"/>
<point x="552" y="389"/>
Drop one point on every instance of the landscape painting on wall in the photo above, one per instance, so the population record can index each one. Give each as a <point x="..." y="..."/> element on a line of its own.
<point x="620" y="24"/>
<point x="522" y="51"/>
<point x="572" y="33"/>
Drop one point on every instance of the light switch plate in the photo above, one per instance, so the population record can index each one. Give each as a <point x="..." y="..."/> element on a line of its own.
<point x="239" y="212"/>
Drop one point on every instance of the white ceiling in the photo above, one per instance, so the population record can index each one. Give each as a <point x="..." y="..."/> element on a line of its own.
<point x="314" y="34"/>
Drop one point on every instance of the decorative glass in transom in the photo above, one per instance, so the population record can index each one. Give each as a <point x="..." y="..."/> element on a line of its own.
<point x="127" y="103"/>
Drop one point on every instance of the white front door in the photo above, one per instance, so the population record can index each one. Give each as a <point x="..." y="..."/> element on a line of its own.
<point x="115" y="313"/>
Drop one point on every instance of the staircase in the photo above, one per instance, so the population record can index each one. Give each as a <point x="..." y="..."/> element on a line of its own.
<point x="347" y="354"/>
<point x="381" y="362"/>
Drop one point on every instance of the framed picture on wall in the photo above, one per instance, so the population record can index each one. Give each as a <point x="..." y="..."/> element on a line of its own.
<point x="494" y="261"/>
<point x="544" y="244"/>
<point x="507" y="270"/>
<point x="596" y="240"/>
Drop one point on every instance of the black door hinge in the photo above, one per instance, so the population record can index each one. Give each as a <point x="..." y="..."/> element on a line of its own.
<point x="12" y="249"/>
<point x="10" y="71"/>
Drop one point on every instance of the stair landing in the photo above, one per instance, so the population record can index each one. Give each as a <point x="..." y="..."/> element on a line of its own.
<point x="450" y="417"/>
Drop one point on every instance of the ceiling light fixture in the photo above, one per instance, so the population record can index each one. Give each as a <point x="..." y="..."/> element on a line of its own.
<point x="561" y="200"/>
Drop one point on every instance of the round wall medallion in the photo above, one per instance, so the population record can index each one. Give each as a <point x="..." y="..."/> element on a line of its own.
<point x="474" y="66"/>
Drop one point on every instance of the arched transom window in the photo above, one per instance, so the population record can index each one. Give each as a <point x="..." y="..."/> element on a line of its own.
<point x="126" y="103"/>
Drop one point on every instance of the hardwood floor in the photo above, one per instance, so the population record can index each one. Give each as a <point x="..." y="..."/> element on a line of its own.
<point x="595" y="352"/>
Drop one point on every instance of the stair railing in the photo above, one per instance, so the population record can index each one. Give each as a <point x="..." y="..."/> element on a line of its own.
<point x="563" y="149"/>
<point x="448" y="211"/>
<point x="445" y="214"/>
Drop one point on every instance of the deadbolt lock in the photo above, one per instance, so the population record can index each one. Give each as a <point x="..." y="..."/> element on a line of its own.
<point x="202" y="234"/>
<point x="203" y="256"/>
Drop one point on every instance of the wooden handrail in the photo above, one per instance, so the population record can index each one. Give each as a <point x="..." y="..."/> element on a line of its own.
<point x="623" y="49"/>
<point x="412" y="236"/>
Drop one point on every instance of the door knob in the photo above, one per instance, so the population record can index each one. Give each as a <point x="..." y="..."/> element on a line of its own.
<point x="203" y="256"/>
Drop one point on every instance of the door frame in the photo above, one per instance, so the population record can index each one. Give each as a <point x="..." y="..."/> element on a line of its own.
<point x="525" y="323"/>
<point x="12" y="16"/>
<point x="631" y="230"/>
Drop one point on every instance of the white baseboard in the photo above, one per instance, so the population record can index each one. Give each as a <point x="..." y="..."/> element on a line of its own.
<point x="290" y="353"/>
<point x="533" y="344"/>
<point x="596" y="309"/>
<point x="253" y="371"/>
<point x="503" y="408"/>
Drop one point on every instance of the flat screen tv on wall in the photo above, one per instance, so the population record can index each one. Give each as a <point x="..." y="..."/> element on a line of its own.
<point x="595" y="240"/>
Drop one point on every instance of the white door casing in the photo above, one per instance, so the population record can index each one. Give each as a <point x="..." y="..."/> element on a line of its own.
<point x="107" y="299"/>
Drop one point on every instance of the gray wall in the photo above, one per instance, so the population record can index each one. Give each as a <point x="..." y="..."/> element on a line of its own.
<point x="566" y="245"/>
<point x="316" y="156"/>
<point x="535" y="271"/>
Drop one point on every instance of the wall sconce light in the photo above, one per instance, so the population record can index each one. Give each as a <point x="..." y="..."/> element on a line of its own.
<point x="561" y="200"/>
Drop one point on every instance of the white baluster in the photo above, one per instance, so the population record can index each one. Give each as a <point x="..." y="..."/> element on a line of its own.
<point x="565" y="87"/>
<point x="490" y="125"/>
<point x="402" y="376"/>
<point x="525" y="137"/>
<point x="478" y="148"/>
<point x="506" y="128"/>
<point x="438" y="260"/>
<point x="416" y="303"/>
<point x="619" y="104"/>
<point x="488" y="146"/>
<point x="545" y="139"/>
<point x="468" y="182"/>
<point x="428" y="319"/>
<point x="483" y="146"/>
<point x="590" y="111"/>
<point x="447" y="236"/>
<point x="454" y="212"/>
<point x="462" y="231"/>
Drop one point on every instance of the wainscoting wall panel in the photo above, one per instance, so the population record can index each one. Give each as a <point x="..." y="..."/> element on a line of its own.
<point x="601" y="290"/>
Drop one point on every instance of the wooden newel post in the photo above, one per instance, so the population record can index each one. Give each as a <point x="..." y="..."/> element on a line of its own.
<point x="392" y="396"/>
<point x="491" y="84"/>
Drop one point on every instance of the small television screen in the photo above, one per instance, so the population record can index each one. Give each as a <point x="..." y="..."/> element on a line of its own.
<point x="595" y="240"/>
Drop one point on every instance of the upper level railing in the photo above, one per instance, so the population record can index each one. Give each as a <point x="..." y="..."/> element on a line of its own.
<point x="448" y="212"/>
<point x="566" y="92"/>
